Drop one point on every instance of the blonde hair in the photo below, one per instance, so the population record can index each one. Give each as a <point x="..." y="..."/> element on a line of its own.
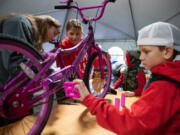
<point x="40" y="26"/>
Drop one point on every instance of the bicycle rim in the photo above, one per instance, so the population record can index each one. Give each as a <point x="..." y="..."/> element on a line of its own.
<point x="30" y="124"/>
<point x="97" y="86"/>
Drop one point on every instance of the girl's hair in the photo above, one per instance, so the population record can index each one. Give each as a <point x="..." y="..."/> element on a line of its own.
<point x="40" y="26"/>
<point x="74" y="23"/>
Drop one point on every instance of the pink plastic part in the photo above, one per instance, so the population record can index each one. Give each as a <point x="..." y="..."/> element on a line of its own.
<point x="123" y="99"/>
<point x="117" y="102"/>
<point x="70" y="91"/>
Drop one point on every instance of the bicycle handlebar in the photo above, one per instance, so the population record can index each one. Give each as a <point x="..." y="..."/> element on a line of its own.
<point x="64" y="6"/>
<point x="68" y="6"/>
<point x="61" y="7"/>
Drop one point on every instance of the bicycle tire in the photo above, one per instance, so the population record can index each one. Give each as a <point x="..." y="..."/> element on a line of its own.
<point x="92" y="79"/>
<point x="35" y="128"/>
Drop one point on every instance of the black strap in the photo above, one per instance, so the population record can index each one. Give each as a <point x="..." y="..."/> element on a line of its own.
<point x="1" y="27"/>
<point x="156" y="77"/>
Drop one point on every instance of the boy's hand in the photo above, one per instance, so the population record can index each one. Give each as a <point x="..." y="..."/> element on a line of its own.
<point x="112" y="88"/>
<point x="130" y="94"/>
<point x="81" y="87"/>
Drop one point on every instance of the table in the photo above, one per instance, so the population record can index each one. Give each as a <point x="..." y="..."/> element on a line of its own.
<point x="71" y="120"/>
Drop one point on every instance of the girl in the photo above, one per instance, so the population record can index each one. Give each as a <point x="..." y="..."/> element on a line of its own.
<point x="34" y="30"/>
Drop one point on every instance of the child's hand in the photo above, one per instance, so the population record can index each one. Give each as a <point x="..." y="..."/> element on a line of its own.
<point x="112" y="88"/>
<point x="81" y="87"/>
<point x="130" y="94"/>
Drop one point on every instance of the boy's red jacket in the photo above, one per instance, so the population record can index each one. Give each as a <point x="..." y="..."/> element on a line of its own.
<point x="156" y="112"/>
<point x="68" y="59"/>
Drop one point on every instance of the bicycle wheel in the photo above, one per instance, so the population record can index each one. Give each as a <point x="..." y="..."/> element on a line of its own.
<point x="92" y="76"/>
<point x="21" y="53"/>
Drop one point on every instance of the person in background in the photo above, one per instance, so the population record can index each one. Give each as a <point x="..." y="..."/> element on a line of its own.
<point x="74" y="32"/>
<point x="117" y="69"/>
<point x="117" y="62"/>
<point x="157" y="111"/>
<point x="34" y="30"/>
<point x="132" y="79"/>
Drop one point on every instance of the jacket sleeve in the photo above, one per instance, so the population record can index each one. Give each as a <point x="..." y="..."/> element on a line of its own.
<point x="109" y="117"/>
<point x="141" y="80"/>
<point x="119" y="81"/>
<point x="146" y="116"/>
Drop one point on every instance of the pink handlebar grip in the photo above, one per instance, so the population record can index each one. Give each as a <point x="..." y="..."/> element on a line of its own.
<point x="123" y="99"/>
<point x="64" y="1"/>
<point x="70" y="91"/>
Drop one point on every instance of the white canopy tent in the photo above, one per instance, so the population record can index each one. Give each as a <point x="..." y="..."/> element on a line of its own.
<point x="119" y="24"/>
<point x="125" y="17"/>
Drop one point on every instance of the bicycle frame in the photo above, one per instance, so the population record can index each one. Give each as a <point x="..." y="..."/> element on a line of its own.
<point x="60" y="76"/>
<point x="51" y="83"/>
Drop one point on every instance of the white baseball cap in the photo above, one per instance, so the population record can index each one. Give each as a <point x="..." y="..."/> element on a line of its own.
<point x="160" y="34"/>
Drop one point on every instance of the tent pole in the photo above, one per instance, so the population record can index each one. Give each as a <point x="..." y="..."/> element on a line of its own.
<point x="133" y="21"/>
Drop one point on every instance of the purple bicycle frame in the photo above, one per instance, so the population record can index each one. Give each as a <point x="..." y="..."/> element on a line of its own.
<point x="87" y="45"/>
<point x="58" y="77"/>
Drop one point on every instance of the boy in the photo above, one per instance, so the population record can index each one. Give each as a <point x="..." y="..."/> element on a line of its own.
<point x="157" y="112"/>
<point x="74" y="31"/>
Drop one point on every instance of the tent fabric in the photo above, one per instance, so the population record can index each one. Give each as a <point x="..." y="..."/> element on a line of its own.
<point x="121" y="19"/>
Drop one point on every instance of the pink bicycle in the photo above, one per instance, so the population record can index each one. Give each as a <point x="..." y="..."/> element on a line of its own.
<point x="34" y="84"/>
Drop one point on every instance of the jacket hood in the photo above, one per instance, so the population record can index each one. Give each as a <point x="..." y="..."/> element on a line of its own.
<point x="132" y="58"/>
<point x="169" y="69"/>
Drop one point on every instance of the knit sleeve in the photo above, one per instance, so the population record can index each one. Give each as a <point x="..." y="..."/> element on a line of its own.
<point x="141" y="80"/>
